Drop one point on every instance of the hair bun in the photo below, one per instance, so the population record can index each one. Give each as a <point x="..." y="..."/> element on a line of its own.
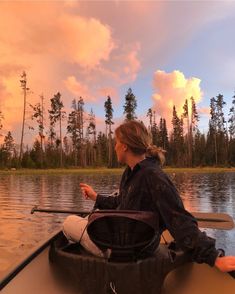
<point x="156" y="152"/>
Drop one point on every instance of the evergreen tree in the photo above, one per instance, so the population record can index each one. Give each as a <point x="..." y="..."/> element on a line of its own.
<point x="109" y="122"/>
<point x="200" y="147"/>
<point x="163" y="134"/>
<point x="189" y="133"/>
<point x="8" y="149"/>
<point x="217" y="134"/>
<point x="130" y="105"/>
<point x="1" y="119"/>
<point x="35" y="153"/>
<point x="221" y="131"/>
<point x="212" y="133"/>
<point x="38" y="115"/>
<point x="92" y="131"/>
<point x="150" y="115"/>
<point x="177" y="144"/>
<point x="73" y="128"/>
<point x="56" y="114"/>
<point x="102" y="152"/>
<point x="231" y="148"/>
<point x="232" y="119"/>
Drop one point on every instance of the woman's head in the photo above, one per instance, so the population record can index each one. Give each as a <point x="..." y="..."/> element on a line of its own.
<point x="134" y="137"/>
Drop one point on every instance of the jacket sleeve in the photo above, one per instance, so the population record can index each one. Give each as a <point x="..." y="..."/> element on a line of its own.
<point x="180" y="223"/>
<point x="107" y="202"/>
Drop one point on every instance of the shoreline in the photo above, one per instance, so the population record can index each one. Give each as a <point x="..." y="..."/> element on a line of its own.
<point x="102" y="170"/>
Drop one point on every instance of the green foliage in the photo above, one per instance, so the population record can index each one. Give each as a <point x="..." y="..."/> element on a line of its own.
<point x="130" y="105"/>
<point x="185" y="144"/>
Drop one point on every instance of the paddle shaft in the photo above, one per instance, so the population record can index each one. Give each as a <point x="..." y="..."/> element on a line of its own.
<point x="220" y="221"/>
<point x="47" y="210"/>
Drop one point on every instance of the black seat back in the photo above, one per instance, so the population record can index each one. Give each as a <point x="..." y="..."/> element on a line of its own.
<point x="125" y="232"/>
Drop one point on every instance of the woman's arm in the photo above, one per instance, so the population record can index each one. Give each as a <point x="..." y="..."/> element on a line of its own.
<point x="181" y="224"/>
<point x="101" y="201"/>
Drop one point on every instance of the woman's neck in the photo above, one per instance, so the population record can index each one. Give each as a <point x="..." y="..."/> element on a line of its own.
<point x="132" y="160"/>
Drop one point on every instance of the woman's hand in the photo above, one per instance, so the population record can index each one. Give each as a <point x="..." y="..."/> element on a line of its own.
<point x="225" y="263"/>
<point x="88" y="192"/>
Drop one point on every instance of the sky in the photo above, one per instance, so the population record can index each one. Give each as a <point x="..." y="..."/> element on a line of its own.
<point x="166" y="51"/>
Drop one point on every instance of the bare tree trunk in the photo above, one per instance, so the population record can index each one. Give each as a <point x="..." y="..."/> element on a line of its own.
<point x="24" y="86"/>
<point x="110" y="148"/>
<point x="61" y="146"/>
<point x="41" y="133"/>
<point x="216" y="152"/>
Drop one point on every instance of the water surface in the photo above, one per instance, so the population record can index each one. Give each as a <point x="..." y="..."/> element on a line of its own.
<point x="21" y="231"/>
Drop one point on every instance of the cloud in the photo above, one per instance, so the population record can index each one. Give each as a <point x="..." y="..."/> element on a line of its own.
<point x="173" y="89"/>
<point x="86" y="41"/>
<point x="109" y="91"/>
<point x="133" y="65"/>
<point x="79" y="89"/>
<point x="204" y="111"/>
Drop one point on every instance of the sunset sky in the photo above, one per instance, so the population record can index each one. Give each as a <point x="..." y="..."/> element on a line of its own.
<point x="165" y="51"/>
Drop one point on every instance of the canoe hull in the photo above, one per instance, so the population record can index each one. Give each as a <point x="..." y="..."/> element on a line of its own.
<point x="89" y="274"/>
<point x="41" y="276"/>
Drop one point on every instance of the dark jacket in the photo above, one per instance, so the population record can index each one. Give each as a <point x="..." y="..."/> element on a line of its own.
<point x="148" y="188"/>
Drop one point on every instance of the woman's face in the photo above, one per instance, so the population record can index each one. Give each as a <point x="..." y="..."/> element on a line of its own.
<point x="120" y="150"/>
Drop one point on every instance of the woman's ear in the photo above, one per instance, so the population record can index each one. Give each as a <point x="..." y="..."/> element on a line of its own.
<point x="125" y="148"/>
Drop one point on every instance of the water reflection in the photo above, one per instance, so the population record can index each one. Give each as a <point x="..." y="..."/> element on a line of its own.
<point x="20" y="231"/>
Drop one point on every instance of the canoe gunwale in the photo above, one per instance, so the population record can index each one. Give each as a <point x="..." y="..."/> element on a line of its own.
<point x="14" y="270"/>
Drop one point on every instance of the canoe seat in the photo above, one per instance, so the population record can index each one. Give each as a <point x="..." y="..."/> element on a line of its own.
<point x="129" y="234"/>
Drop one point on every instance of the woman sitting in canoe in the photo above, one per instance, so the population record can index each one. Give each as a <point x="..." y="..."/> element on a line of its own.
<point x="145" y="187"/>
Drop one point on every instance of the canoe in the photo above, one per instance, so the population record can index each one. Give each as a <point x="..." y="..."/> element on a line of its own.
<point x="88" y="274"/>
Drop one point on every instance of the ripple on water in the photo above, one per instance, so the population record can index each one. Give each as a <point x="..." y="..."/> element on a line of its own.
<point x="20" y="231"/>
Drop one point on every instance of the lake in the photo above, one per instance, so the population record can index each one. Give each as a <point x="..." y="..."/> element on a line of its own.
<point x="20" y="231"/>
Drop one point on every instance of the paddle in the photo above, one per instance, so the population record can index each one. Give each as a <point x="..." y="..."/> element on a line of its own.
<point x="219" y="221"/>
<point x="47" y="210"/>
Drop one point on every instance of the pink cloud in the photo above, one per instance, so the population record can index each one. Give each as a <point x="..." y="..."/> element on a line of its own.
<point x="173" y="89"/>
<point x="78" y="89"/>
<point x="204" y="110"/>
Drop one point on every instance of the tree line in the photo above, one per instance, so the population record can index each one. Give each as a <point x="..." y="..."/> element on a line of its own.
<point x="82" y="146"/>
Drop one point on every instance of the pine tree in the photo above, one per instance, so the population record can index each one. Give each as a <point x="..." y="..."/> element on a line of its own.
<point x="212" y="134"/>
<point x="1" y="119"/>
<point x="8" y="148"/>
<point x="92" y="131"/>
<point x="73" y="128"/>
<point x="130" y="106"/>
<point x="177" y="139"/>
<point x="217" y="130"/>
<point x="163" y="134"/>
<point x="200" y="147"/>
<point x="56" y="114"/>
<point x="189" y="133"/>
<point x="231" y="148"/>
<point x="232" y="119"/>
<point x="221" y="130"/>
<point x="109" y="122"/>
<point x="150" y="116"/>
<point x="38" y="115"/>
<point x="153" y="128"/>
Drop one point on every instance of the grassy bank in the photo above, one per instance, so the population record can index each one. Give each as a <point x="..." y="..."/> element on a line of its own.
<point x="103" y="170"/>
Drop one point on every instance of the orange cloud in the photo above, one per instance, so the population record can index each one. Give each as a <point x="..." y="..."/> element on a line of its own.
<point x="78" y="89"/>
<point x="85" y="41"/>
<point x="109" y="91"/>
<point x="173" y="89"/>
<point x="204" y="111"/>
<point x="132" y="64"/>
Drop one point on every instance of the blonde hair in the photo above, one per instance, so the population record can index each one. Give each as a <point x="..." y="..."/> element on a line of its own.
<point x="135" y="135"/>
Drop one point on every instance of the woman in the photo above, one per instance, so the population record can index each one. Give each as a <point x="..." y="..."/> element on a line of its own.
<point x="145" y="187"/>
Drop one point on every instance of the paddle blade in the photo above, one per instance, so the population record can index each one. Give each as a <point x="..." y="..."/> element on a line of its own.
<point x="220" y="221"/>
